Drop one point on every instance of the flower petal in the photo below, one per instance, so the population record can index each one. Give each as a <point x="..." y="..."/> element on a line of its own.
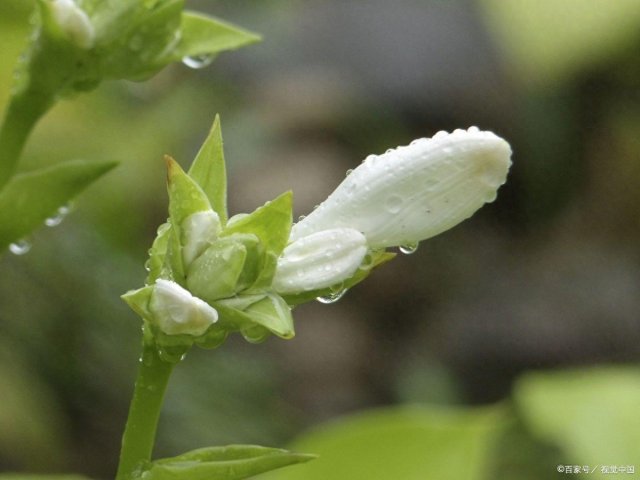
<point x="415" y="192"/>
<point x="199" y="230"/>
<point x="178" y="312"/>
<point x="319" y="260"/>
<point x="74" y="22"/>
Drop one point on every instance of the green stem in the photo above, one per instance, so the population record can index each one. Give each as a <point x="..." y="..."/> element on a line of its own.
<point x="23" y="112"/>
<point x="140" y="432"/>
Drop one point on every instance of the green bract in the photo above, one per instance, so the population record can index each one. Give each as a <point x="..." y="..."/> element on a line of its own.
<point x="229" y="264"/>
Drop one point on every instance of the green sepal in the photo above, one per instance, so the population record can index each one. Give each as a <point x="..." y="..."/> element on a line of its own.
<point x="256" y="316"/>
<point x="377" y="259"/>
<point x="185" y="195"/>
<point x="272" y="224"/>
<point x="157" y="253"/>
<point x="234" y="462"/>
<point x="209" y="171"/>
<point x="215" y="274"/>
<point x="274" y="314"/>
<point x="138" y="300"/>
<point x="205" y="35"/>
<point x="30" y="198"/>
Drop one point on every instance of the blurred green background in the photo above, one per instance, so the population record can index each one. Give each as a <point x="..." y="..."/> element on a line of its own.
<point x="503" y="348"/>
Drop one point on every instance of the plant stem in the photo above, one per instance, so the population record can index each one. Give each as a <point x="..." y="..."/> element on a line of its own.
<point x="23" y="112"/>
<point x="140" y="431"/>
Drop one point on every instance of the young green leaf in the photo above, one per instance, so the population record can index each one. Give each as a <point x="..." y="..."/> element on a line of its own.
<point x="30" y="198"/>
<point x="204" y="35"/>
<point x="235" y="462"/>
<point x="209" y="171"/>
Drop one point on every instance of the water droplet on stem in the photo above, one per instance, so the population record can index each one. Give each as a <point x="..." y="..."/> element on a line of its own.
<point x="59" y="216"/>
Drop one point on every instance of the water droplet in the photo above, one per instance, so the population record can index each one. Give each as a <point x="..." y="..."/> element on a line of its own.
<point x="59" y="216"/>
<point x="389" y="150"/>
<point x="301" y="217"/>
<point x="198" y="61"/>
<point x="393" y="204"/>
<point x="349" y="172"/>
<point x="332" y="297"/>
<point x="473" y="130"/>
<point x="147" y="265"/>
<point x="20" y="247"/>
<point x="408" y="248"/>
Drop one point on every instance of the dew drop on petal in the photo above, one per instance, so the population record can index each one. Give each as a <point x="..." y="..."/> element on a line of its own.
<point x="332" y="297"/>
<point x="198" y="61"/>
<point x="59" y="216"/>
<point x="20" y="247"/>
<point x="301" y="217"/>
<point x="408" y="248"/>
<point x="393" y="204"/>
<point x="473" y="130"/>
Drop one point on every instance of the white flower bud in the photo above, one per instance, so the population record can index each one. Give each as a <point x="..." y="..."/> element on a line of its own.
<point x="415" y="192"/>
<point x="319" y="260"/>
<point x="178" y="312"/>
<point x="74" y="22"/>
<point x="199" y="230"/>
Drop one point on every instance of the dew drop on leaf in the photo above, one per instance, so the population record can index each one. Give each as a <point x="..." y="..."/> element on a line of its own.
<point x="198" y="61"/>
<point x="20" y="247"/>
<point x="59" y="216"/>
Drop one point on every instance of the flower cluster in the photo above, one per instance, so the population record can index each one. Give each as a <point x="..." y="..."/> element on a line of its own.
<point x="209" y="275"/>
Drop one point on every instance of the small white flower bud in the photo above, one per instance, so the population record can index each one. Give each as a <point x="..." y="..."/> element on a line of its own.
<point x="178" y="312"/>
<point x="415" y="192"/>
<point x="74" y="22"/>
<point x="199" y="230"/>
<point x="319" y="260"/>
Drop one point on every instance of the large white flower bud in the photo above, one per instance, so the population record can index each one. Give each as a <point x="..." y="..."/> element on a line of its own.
<point x="415" y="192"/>
<point x="178" y="312"/>
<point x="199" y="230"/>
<point x="74" y="22"/>
<point x="319" y="260"/>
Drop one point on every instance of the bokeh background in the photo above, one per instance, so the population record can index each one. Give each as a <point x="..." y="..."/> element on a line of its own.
<point x="509" y="344"/>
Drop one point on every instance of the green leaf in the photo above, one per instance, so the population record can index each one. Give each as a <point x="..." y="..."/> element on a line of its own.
<point x="591" y="414"/>
<point x="204" y="35"/>
<point x="209" y="171"/>
<point x="273" y="313"/>
<point x="30" y="198"/>
<point x="235" y="462"/>
<point x="407" y="443"/>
